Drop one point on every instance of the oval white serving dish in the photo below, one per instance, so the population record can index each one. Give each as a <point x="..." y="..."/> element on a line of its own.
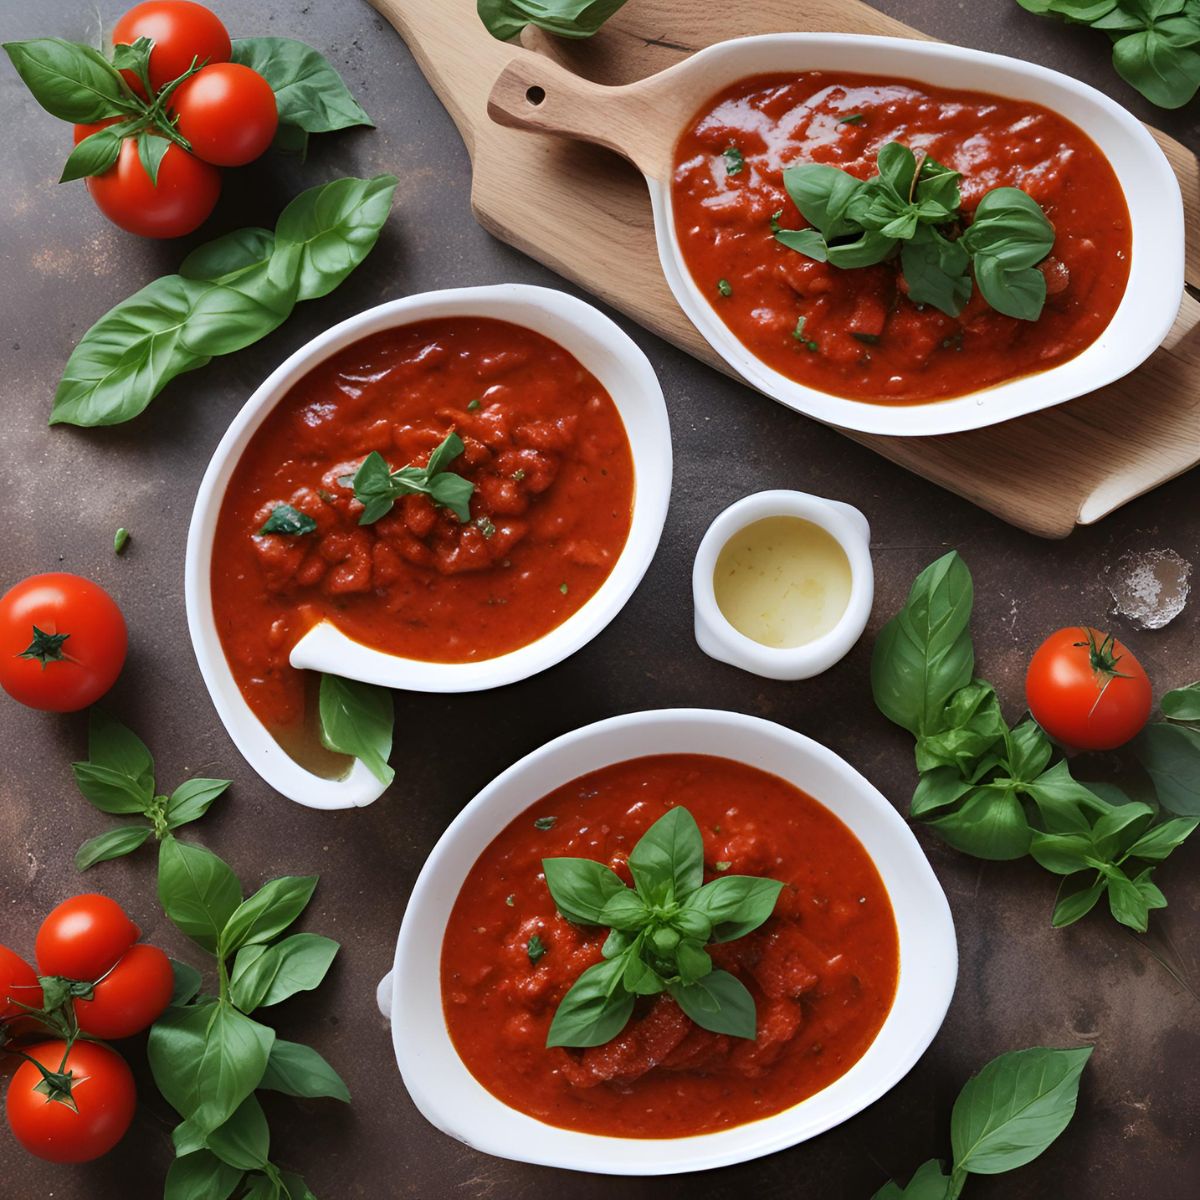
<point x="540" y="95"/>
<point x="716" y="635"/>
<point x="606" y="351"/>
<point x="453" y="1100"/>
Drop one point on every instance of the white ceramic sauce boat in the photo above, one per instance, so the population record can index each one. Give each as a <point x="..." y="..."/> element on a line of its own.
<point x="410" y="995"/>
<point x="607" y="352"/>
<point x="643" y="121"/>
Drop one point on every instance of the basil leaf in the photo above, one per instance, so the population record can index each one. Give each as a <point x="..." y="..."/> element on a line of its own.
<point x="206" y="1060"/>
<point x="452" y="491"/>
<point x="1073" y="905"/>
<point x="640" y="979"/>
<point x="222" y="259"/>
<point x="1157" y="843"/>
<point x="187" y="983"/>
<point x="924" y="654"/>
<point x="865" y="251"/>
<point x="1008" y="235"/>
<point x="297" y="964"/>
<point x="244" y="1141"/>
<point x="357" y="719"/>
<point x="939" y="788"/>
<point x="335" y="227"/>
<point x="1062" y="853"/>
<point x="152" y="149"/>
<point x="1062" y="802"/>
<point x="115" y="843"/>
<point x="693" y="961"/>
<point x="297" y="1070"/>
<point x="823" y="194"/>
<point x="1027" y="750"/>
<point x="928" y="1183"/>
<point x="1171" y="757"/>
<point x="1127" y="902"/>
<point x="261" y="1187"/>
<point x="1015" y="1108"/>
<point x="96" y="153"/>
<point x="1117" y="830"/>
<point x="119" y="774"/>
<point x="974" y="725"/>
<point x="191" y="800"/>
<point x="595" y="1009"/>
<point x="581" y="888"/>
<point x="566" y="18"/>
<point x="1165" y="72"/>
<point x="1018" y="293"/>
<point x="198" y="891"/>
<point x="377" y="486"/>
<point x="110" y="790"/>
<point x="309" y="93"/>
<point x="1082" y="11"/>
<point x="287" y="520"/>
<point x="295" y="1187"/>
<point x="200" y="1175"/>
<point x="990" y="824"/>
<point x="668" y="861"/>
<point x="268" y="912"/>
<point x="935" y="271"/>
<point x="625" y="910"/>
<point x="735" y="904"/>
<point x="227" y="317"/>
<point x="719" y="1002"/>
<point x="804" y="241"/>
<point x="1182" y="704"/>
<point x="72" y="82"/>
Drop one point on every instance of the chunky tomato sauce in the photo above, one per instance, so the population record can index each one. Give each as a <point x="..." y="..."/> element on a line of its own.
<point x="822" y="969"/>
<point x="861" y="337"/>
<point x="553" y="475"/>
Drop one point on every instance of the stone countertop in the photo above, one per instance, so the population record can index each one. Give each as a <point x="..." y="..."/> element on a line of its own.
<point x="1021" y="983"/>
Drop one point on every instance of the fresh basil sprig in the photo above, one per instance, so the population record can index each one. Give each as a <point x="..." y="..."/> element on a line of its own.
<point x="208" y="1055"/>
<point x="909" y="208"/>
<point x="1169" y="752"/>
<point x="566" y="18"/>
<point x="229" y="293"/>
<point x="118" y="778"/>
<point x="1156" y="43"/>
<point x="659" y="930"/>
<point x="1005" y="1116"/>
<point x="992" y="791"/>
<point x="377" y="487"/>
<point x="289" y="521"/>
<point x="358" y="719"/>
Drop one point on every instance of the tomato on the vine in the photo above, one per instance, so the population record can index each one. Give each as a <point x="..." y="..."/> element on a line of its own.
<point x="78" y="1109"/>
<point x="18" y="985"/>
<point x="62" y="642"/>
<point x="227" y="112"/>
<point x="83" y="937"/>
<point x="180" y="201"/>
<point x="131" y="997"/>
<point x="1087" y="690"/>
<point x="182" y="32"/>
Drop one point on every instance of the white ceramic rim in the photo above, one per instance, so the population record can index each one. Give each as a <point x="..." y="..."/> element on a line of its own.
<point x="846" y="525"/>
<point x="455" y="1102"/>
<point x="601" y="346"/>
<point x="1152" y="297"/>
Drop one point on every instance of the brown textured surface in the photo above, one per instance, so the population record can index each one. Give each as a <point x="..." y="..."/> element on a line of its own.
<point x="66" y="491"/>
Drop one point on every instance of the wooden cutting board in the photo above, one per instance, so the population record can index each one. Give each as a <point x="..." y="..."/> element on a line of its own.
<point x="584" y="212"/>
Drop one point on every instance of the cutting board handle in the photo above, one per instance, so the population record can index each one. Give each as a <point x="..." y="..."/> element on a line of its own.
<point x="536" y="93"/>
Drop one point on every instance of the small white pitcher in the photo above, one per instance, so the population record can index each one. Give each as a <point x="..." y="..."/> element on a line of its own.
<point x="720" y="640"/>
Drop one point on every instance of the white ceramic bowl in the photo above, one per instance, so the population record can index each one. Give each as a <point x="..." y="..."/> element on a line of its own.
<point x="451" y="1098"/>
<point x="607" y="352"/>
<point x="1151" y="300"/>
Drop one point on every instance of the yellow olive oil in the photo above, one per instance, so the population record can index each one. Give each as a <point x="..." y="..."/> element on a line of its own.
<point x="782" y="581"/>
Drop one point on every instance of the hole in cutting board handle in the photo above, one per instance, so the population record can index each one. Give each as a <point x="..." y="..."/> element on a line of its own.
<point x="535" y="95"/>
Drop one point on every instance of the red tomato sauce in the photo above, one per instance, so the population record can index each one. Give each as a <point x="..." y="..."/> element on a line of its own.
<point x="822" y="969"/>
<point x="553" y="474"/>
<point x="862" y="338"/>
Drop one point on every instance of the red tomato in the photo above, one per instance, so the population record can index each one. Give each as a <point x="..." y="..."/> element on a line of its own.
<point x="1087" y="690"/>
<point x="18" y="985"/>
<point x="102" y="1093"/>
<point x="62" y="642"/>
<point x="83" y="937"/>
<point x="130" y="997"/>
<point x="227" y="112"/>
<point x="181" y="32"/>
<point x="185" y="194"/>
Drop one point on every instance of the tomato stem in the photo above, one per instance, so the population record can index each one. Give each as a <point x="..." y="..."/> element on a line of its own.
<point x="46" y="647"/>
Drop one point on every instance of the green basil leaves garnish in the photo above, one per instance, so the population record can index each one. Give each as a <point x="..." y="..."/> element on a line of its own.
<point x="377" y="487"/>
<point x="911" y="207"/>
<point x="995" y="792"/>
<point x="229" y="293"/>
<point x="1006" y="1115"/>
<point x="289" y="521"/>
<point x="358" y="719"/>
<point x="566" y="18"/>
<point x="659" y="930"/>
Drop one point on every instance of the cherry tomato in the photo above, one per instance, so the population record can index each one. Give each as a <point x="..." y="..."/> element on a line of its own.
<point x="185" y="194"/>
<point x="1087" y="690"/>
<point x="102" y="1098"/>
<point x="18" y="985"/>
<point x="130" y="997"/>
<point x="83" y="937"/>
<point x="181" y="32"/>
<point x="62" y="642"/>
<point x="227" y="112"/>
